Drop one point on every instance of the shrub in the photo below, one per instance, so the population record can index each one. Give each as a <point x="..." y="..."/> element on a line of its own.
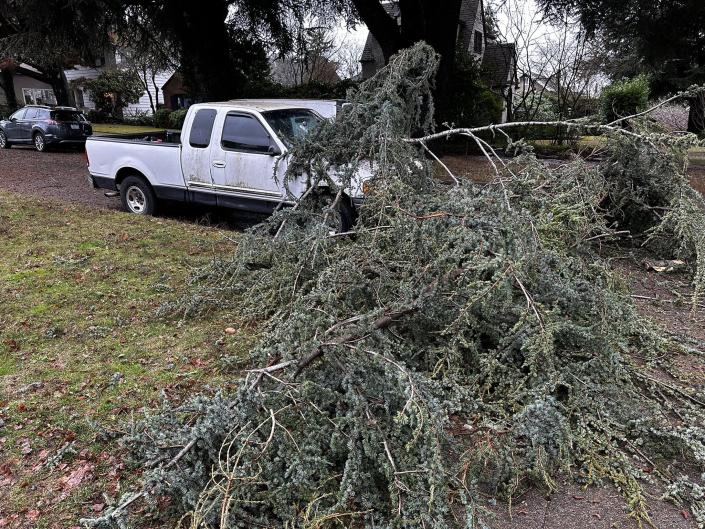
<point x="624" y="98"/>
<point x="672" y="117"/>
<point x="140" y="118"/>
<point x="95" y="116"/>
<point x="177" y="117"/>
<point x="162" y="118"/>
<point x="113" y="90"/>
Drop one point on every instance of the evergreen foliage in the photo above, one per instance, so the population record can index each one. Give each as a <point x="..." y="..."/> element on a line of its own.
<point x="624" y="98"/>
<point x="465" y="339"/>
<point x="113" y="90"/>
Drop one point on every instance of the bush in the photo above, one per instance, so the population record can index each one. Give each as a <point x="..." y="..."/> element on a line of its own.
<point x="113" y="90"/>
<point x="624" y="98"/>
<point x="672" y="117"/>
<point x="176" y="118"/>
<point x="139" y="118"/>
<point x="95" y="116"/>
<point x="162" y="118"/>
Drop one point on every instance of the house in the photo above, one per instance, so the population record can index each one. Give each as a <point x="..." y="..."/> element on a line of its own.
<point x="162" y="88"/>
<point x="497" y="59"/>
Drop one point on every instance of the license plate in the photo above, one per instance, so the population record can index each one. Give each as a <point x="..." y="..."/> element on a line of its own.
<point x="75" y="127"/>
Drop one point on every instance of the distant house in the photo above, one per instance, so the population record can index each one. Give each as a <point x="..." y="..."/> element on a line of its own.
<point x="165" y="87"/>
<point x="497" y="60"/>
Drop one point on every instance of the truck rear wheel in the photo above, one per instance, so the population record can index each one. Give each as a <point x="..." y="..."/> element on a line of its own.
<point x="137" y="196"/>
<point x="341" y="219"/>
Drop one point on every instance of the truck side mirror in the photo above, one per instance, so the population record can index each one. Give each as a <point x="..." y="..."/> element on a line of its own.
<point x="273" y="151"/>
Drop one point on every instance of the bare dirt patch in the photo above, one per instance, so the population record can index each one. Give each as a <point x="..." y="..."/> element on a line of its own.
<point x="58" y="174"/>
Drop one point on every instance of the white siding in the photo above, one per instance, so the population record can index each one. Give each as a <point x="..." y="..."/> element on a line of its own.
<point x="141" y="106"/>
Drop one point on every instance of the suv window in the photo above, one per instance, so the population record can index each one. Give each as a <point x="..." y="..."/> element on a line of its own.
<point x="67" y="115"/>
<point x="44" y="114"/>
<point x="244" y="133"/>
<point x="202" y="128"/>
<point x="19" y="114"/>
<point x="32" y="113"/>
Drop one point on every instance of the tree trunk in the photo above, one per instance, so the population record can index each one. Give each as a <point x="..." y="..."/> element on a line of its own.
<point x="442" y="35"/>
<point x="206" y="61"/>
<point x="696" y="117"/>
<point x="7" y="85"/>
<point x="57" y="79"/>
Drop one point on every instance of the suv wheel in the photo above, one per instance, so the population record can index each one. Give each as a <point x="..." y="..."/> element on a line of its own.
<point x="40" y="142"/>
<point x="4" y="144"/>
<point x="137" y="196"/>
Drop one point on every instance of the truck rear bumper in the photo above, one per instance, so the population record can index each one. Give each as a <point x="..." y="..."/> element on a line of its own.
<point x="101" y="182"/>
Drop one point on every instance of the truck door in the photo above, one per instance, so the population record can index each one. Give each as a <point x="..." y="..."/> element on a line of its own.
<point x="244" y="160"/>
<point x="195" y="156"/>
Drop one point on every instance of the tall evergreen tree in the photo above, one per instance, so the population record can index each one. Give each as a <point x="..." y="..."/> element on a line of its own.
<point x="664" y="38"/>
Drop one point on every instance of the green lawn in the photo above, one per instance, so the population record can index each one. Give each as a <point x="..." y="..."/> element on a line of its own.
<point x="108" y="128"/>
<point x="82" y="346"/>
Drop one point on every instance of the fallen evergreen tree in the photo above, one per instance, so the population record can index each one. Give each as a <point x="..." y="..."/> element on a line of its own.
<point x="465" y="339"/>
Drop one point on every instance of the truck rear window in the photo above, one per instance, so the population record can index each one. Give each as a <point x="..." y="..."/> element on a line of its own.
<point x="202" y="128"/>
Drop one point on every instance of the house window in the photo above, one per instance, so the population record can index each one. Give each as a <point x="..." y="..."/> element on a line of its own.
<point x="38" y="96"/>
<point x="78" y="96"/>
<point x="478" y="45"/>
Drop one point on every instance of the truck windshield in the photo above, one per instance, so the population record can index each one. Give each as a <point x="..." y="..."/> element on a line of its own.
<point x="292" y="124"/>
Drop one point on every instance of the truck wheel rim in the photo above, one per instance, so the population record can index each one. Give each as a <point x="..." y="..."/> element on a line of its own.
<point x="39" y="142"/>
<point x="136" y="200"/>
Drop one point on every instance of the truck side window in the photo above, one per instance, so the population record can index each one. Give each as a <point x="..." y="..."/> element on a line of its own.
<point x="244" y="133"/>
<point x="202" y="127"/>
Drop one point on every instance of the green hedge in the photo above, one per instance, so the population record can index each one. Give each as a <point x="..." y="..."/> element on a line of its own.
<point x="176" y="118"/>
<point x="624" y="98"/>
<point x="162" y="118"/>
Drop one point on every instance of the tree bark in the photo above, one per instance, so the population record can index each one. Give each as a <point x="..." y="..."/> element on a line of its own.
<point x="57" y="79"/>
<point x="433" y="21"/>
<point x="382" y="26"/>
<point x="7" y="85"/>
<point x="696" y="117"/>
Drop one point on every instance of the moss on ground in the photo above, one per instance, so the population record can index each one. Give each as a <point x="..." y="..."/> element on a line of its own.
<point x="81" y="344"/>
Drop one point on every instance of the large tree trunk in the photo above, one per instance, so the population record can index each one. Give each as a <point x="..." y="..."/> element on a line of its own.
<point x="206" y="61"/>
<point x="433" y="21"/>
<point x="696" y="117"/>
<point x="57" y="79"/>
<point x="7" y="86"/>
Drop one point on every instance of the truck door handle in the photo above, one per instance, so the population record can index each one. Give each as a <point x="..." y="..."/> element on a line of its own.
<point x="219" y="164"/>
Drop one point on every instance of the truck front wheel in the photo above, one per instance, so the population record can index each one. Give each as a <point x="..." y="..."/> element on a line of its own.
<point x="137" y="196"/>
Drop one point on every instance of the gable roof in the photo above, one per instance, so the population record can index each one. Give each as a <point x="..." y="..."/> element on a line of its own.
<point x="498" y="63"/>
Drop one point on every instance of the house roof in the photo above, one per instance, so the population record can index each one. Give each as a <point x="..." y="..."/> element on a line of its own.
<point x="498" y="63"/>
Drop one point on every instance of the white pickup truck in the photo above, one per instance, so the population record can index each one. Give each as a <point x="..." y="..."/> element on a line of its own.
<point x="228" y="155"/>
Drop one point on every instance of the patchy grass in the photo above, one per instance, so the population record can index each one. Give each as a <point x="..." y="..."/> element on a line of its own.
<point x="109" y="128"/>
<point x="82" y="349"/>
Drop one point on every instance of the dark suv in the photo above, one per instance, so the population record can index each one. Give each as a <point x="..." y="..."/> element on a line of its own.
<point x="42" y="126"/>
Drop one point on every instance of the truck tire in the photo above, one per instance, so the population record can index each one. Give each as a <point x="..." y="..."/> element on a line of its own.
<point x="344" y="214"/>
<point x="137" y="196"/>
<point x="4" y="144"/>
